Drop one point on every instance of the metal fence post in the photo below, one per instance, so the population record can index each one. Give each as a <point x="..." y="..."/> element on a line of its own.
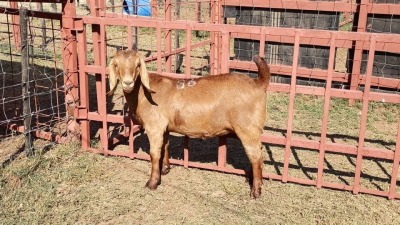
<point x="23" y="13"/>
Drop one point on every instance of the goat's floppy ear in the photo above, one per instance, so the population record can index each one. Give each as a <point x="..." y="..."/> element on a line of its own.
<point x="144" y="76"/>
<point x="113" y="77"/>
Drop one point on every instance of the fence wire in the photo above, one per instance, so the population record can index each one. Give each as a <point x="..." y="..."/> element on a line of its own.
<point x="45" y="77"/>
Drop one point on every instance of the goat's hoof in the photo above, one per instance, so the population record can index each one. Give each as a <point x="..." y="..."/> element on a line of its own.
<point x="256" y="193"/>
<point x="165" y="170"/>
<point x="152" y="185"/>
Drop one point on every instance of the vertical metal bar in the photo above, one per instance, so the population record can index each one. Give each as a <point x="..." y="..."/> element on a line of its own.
<point x="225" y="52"/>
<point x="188" y="50"/>
<point x="131" y="138"/>
<point x="94" y="11"/>
<point x="154" y="5"/>
<point x="197" y="11"/>
<point x="186" y="152"/>
<point x="291" y="107"/>
<point x="225" y="56"/>
<point x="159" y="63"/>
<point x="135" y="44"/>
<point x="363" y="124"/>
<point x="103" y="103"/>
<point x="16" y="26"/>
<point x="222" y="153"/>
<point x="70" y="61"/>
<point x="361" y="27"/>
<point x="130" y="38"/>
<point x="178" y="59"/>
<point x="23" y="18"/>
<point x="262" y="42"/>
<point x="218" y="41"/>
<point x="43" y="24"/>
<point x="395" y="167"/>
<point x="83" y="88"/>
<point x="213" y="46"/>
<point x="168" y="36"/>
<point x="324" y="127"/>
<point x="55" y="71"/>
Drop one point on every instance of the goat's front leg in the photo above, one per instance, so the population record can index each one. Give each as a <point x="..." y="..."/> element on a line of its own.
<point x="165" y="155"/>
<point x="156" y="142"/>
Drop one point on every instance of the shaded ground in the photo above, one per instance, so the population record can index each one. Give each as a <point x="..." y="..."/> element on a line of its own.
<point x="67" y="186"/>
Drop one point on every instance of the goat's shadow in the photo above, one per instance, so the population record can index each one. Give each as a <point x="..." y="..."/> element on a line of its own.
<point x="206" y="151"/>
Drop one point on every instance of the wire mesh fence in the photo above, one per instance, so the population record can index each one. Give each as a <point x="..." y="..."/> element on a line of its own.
<point x="32" y="78"/>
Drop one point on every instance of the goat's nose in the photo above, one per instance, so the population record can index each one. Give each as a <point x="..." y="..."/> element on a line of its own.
<point x="128" y="82"/>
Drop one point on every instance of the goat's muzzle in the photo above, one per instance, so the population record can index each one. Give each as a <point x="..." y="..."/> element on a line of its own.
<point x="127" y="85"/>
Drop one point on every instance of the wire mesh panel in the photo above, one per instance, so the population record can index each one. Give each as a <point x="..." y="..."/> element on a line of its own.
<point x="45" y="75"/>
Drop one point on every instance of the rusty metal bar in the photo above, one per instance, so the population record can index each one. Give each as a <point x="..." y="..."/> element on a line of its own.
<point x="83" y="107"/>
<point x="70" y="61"/>
<point x="225" y="52"/>
<point x="291" y="108"/>
<point x="103" y="103"/>
<point x="188" y="50"/>
<point x="324" y="127"/>
<point x="387" y="9"/>
<point x="395" y="166"/>
<point x="154" y="8"/>
<point x="317" y="74"/>
<point x="186" y="152"/>
<point x="358" y="51"/>
<point x="262" y="42"/>
<point x="159" y="62"/>
<point x="213" y="59"/>
<point x="130" y="38"/>
<point x="168" y="36"/>
<point x="335" y="6"/>
<point x="96" y="39"/>
<point x="16" y="28"/>
<point x="364" y="114"/>
<point x="222" y="153"/>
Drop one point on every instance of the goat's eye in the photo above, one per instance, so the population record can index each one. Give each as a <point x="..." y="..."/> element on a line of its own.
<point x="138" y="65"/>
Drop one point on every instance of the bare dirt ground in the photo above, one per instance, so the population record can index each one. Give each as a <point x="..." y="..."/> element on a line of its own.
<point x="66" y="185"/>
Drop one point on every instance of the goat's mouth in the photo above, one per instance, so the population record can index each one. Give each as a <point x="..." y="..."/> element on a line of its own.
<point x="127" y="89"/>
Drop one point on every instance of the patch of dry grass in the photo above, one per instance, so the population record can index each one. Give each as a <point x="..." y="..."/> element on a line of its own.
<point x="66" y="186"/>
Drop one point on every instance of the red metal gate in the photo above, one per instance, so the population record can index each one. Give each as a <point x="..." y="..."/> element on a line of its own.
<point x="219" y="45"/>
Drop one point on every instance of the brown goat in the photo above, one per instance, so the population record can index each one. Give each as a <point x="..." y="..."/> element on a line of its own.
<point x="207" y="107"/>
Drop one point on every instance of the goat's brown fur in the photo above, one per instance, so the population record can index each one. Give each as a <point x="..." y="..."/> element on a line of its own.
<point x="214" y="106"/>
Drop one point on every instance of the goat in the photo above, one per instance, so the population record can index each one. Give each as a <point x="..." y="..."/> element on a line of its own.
<point x="214" y="106"/>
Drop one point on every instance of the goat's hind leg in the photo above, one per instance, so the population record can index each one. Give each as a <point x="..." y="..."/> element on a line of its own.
<point x="156" y="142"/>
<point x="254" y="152"/>
<point x="165" y="168"/>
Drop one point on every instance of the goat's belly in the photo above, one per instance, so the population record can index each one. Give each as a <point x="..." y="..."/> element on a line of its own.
<point x="197" y="133"/>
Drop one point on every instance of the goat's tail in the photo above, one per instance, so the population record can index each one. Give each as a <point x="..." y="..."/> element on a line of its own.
<point x="264" y="74"/>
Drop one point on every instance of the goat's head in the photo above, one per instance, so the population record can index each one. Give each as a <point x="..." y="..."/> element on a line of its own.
<point x="125" y="67"/>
